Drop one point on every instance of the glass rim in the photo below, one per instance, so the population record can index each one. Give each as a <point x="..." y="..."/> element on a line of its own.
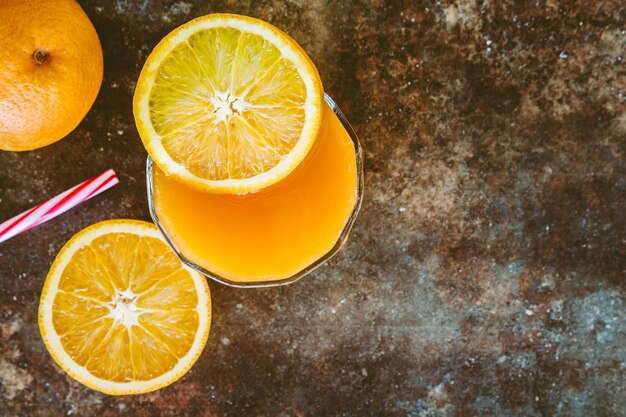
<point x="310" y="268"/>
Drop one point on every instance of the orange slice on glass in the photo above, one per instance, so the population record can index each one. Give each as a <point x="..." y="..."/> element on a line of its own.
<point x="228" y="104"/>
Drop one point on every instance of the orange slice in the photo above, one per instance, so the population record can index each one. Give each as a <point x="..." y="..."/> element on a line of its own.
<point x="120" y="313"/>
<point x="228" y="103"/>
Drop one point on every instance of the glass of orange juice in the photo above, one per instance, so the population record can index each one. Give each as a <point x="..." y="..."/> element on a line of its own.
<point x="273" y="236"/>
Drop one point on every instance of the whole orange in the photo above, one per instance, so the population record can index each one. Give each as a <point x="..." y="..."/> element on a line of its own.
<point x="50" y="71"/>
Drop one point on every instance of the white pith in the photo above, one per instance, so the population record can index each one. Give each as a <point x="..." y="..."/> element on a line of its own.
<point x="227" y="104"/>
<point x="123" y="308"/>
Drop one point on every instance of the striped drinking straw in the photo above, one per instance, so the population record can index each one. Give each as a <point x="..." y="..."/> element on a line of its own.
<point x="57" y="205"/>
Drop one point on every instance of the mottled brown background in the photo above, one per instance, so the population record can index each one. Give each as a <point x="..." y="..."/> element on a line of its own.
<point x="486" y="272"/>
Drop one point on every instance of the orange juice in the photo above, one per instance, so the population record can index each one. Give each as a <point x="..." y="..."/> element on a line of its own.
<point x="272" y="234"/>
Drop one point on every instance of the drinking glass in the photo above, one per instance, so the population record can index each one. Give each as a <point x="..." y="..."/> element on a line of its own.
<point x="340" y="241"/>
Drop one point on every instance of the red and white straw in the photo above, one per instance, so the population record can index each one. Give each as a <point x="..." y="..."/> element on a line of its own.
<point x="57" y="205"/>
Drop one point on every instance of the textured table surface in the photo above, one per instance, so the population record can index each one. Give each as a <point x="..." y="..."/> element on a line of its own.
<point x="486" y="272"/>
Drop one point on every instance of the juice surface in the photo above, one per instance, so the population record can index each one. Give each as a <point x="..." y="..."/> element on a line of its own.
<point x="276" y="232"/>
